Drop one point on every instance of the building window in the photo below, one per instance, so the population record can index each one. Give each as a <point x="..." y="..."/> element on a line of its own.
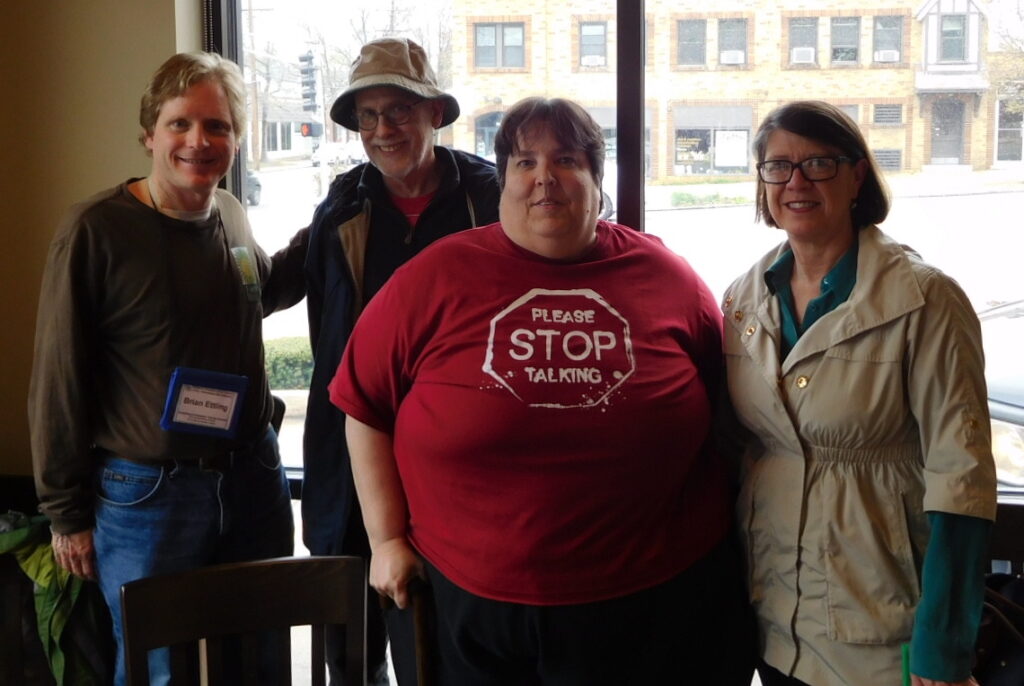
<point x="851" y="111"/>
<point x="692" y="41"/>
<point x="593" y="44"/>
<point x="953" y="41"/>
<point x="286" y="135"/>
<point x="732" y="41"/>
<point x="888" y="39"/>
<point x="803" y="40"/>
<point x="270" y="137"/>
<point x="1010" y="134"/>
<point x="711" y="139"/>
<point x="845" y="39"/>
<point x="486" y="130"/>
<point x="888" y="114"/>
<point x="499" y="45"/>
<point x="889" y="159"/>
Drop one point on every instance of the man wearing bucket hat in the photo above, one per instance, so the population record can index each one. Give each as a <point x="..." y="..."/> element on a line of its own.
<point x="375" y="217"/>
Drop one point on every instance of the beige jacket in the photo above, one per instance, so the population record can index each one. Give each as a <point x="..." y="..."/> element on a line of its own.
<point x="876" y="416"/>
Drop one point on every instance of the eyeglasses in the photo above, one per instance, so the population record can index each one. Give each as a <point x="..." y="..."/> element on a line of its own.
<point x="812" y="169"/>
<point x="396" y="115"/>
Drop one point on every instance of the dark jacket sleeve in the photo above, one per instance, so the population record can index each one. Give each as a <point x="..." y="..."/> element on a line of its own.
<point x="286" y="283"/>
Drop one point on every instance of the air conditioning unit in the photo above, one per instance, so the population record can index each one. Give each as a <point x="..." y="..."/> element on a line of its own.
<point x="801" y="56"/>
<point x="887" y="55"/>
<point x="592" y="60"/>
<point x="731" y="57"/>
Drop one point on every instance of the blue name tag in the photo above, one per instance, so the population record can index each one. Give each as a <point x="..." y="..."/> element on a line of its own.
<point x="204" y="402"/>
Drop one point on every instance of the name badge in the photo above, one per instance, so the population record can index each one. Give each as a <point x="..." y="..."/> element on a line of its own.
<point x="204" y="402"/>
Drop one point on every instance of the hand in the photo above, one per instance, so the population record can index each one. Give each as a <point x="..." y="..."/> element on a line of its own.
<point x="75" y="553"/>
<point x="393" y="564"/>
<point x="921" y="681"/>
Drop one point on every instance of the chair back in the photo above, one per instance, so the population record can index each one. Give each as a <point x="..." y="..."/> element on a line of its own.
<point x="200" y="612"/>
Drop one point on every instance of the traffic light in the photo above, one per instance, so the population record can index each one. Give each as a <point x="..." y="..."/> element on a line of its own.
<point x="307" y="78"/>
<point x="311" y="128"/>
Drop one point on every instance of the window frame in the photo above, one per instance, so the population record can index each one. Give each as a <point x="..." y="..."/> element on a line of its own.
<point x="944" y="40"/>
<point x="878" y="32"/>
<point x="603" y="54"/>
<point x="703" y="42"/>
<point x="855" y="45"/>
<point x="1008" y="134"/>
<point x="808" y="26"/>
<point x="726" y="34"/>
<point x="222" y="34"/>
<point x="501" y="45"/>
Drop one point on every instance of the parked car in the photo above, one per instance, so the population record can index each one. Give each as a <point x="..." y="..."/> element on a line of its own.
<point x="253" y="188"/>
<point x="1002" y="329"/>
<point x="347" y="153"/>
<point x="327" y="153"/>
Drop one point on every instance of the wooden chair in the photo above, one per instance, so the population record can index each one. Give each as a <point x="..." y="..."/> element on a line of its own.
<point x="194" y="612"/>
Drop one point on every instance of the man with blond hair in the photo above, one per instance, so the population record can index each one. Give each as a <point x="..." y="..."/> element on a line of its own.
<point x="149" y="407"/>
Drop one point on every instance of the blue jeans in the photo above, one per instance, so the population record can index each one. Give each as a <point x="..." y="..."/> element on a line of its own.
<point x="159" y="519"/>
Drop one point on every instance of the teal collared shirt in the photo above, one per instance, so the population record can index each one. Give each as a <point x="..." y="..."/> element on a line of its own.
<point x="835" y="289"/>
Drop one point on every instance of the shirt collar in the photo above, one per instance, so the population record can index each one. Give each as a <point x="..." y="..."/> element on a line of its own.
<point x="839" y="281"/>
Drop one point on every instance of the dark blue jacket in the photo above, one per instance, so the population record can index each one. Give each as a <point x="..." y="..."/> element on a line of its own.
<point x="359" y="203"/>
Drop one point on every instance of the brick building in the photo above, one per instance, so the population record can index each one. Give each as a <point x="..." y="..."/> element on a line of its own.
<point x="912" y="73"/>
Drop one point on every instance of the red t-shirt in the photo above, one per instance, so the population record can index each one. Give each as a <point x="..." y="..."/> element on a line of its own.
<point x="550" y="420"/>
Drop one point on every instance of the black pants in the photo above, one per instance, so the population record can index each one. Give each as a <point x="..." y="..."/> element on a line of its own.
<point x="696" y="628"/>
<point x="773" y="677"/>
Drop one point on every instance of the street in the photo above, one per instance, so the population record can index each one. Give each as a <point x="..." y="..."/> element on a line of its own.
<point x="976" y="239"/>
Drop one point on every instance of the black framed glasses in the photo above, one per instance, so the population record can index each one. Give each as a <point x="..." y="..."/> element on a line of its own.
<point x="812" y="169"/>
<point x="395" y="115"/>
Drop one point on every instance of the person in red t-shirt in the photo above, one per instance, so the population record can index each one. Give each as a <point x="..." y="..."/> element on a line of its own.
<point x="528" y="409"/>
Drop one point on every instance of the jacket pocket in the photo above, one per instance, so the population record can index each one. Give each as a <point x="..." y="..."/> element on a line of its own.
<point x="871" y="576"/>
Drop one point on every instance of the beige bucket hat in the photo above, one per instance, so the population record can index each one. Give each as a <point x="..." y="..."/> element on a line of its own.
<point x="397" y="62"/>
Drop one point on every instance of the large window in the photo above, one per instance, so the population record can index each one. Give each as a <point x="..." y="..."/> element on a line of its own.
<point x="500" y="45"/>
<point x="803" y="40"/>
<point x="888" y="39"/>
<point x="1010" y="133"/>
<point x="953" y="38"/>
<point x="711" y="139"/>
<point x="593" y="44"/>
<point x="845" y="40"/>
<point x="732" y="41"/>
<point x="691" y="41"/>
<point x="693" y="145"/>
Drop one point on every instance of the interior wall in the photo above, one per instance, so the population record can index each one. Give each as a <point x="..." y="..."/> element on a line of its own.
<point x="71" y="74"/>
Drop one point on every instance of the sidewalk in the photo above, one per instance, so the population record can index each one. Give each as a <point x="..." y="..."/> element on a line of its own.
<point x="933" y="181"/>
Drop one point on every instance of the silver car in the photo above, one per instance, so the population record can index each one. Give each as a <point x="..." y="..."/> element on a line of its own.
<point x="1002" y="331"/>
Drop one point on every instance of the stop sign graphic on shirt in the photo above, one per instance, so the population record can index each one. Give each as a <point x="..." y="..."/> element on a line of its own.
<point x="560" y="348"/>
